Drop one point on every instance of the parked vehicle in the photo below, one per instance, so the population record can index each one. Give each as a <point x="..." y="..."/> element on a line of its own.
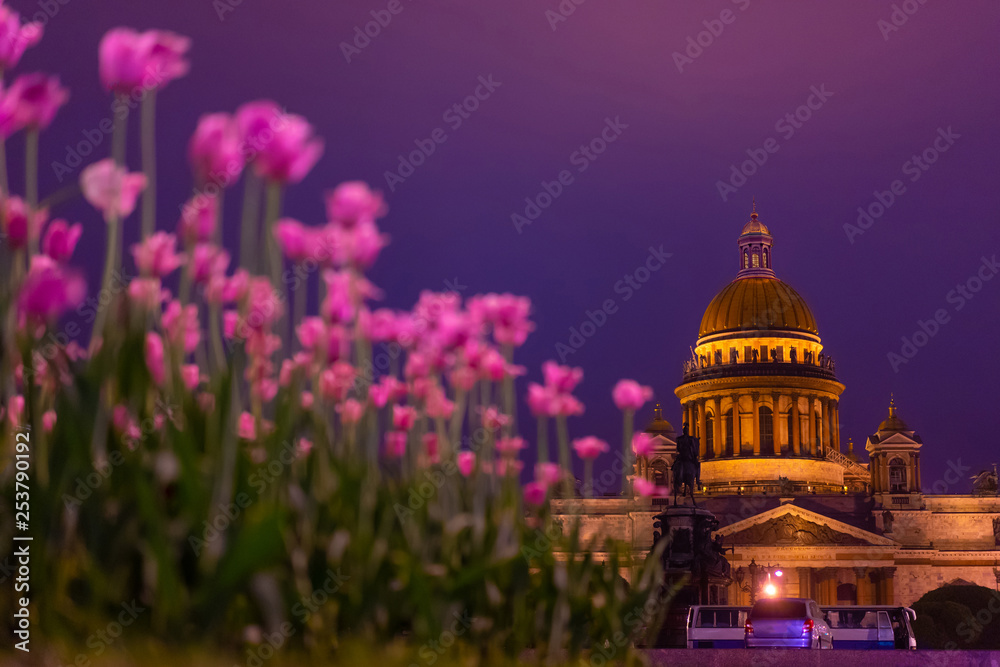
<point x="872" y="626"/>
<point x="787" y="623"/>
<point x="715" y="626"/>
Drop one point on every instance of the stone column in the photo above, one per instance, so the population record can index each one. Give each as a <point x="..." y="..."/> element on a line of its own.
<point x="702" y="428"/>
<point x="775" y="424"/>
<point x="825" y="407"/>
<point x="812" y="426"/>
<point x="836" y="426"/>
<point x="737" y="436"/>
<point x="888" y="587"/>
<point x="805" y="582"/>
<point x="863" y="586"/>
<point x="756" y="423"/>
<point x="796" y="426"/>
<point x="717" y="427"/>
<point x="916" y="473"/>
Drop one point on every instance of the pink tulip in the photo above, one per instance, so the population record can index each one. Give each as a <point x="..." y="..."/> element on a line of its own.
<point x="154" y="357"/>
<point x="303" y="447"/>
<point x="16" y="410"/>
<point x="30" y="102"/>
<point x="146" y="293"/>
<point x="336" y="381"/>
<point x="15" y="37"/>
<point x="509" y="467"/>
<point x="437" y="405"/>
<point x="264" y="305"/>
<point x="432" y="447"/>
<point x="403" y="417"/>
<point x="353" y="202"/>
<point x="294" y="239"/>
<point x="463" y="378"/>
<point x="131" y="61"/>
<point x="110" y="189"/>
<point x="214" y="150"/>
<point x="548" y="474"/>
<point x="246" y="427"/>
<point x="510" y="446"/>
<point x="643" y="444"/>
<point x="48" y="291"/>
<point x="648" y="489"/>
<point x="493" y="418"/>
<point x="630" y="395"/>
<point x="395" y="444"/>
<point x="306" y="400"/>
<point x="561" y="379"/>
<point x="386" y="390"/>
<point x="191" y="375"/>
<point x="48" y="420"/>
<point x="566" y="405"/>
<point x="19" y="224"/>
<point x="507" y="313"/>
<point x="157" y="255"/>
<point x="351" y="411"/>
<point x="534" y="494"/>
<point x="60" y="239"/>
<point x="466" y="462"/>
<point x="198" y="219"/>
<point x="590" y="447"/>
<point x="541" y="400"/>
<point x="208" y="261"/>
<point x="359" y="246"/>
<point x="181" y="325"/>
<point x="286" y="149"/>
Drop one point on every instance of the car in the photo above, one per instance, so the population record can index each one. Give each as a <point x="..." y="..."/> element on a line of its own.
<point x="787" y="623"/>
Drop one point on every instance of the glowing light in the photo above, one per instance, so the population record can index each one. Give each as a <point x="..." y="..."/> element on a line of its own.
<point x="779" y="573"/>
<point x="770" y="590"/>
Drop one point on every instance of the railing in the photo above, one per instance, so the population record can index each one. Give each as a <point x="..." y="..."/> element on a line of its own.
<point x="759" y="368"/>
<point x="846" y="463"/>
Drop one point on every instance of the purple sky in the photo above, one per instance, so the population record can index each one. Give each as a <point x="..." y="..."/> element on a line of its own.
<point x="655" y="184"/>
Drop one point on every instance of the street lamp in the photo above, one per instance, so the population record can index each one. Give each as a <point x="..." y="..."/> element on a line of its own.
<point x="759" y="579"/>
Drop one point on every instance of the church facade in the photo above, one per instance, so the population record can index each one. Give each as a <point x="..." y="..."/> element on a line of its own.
<point x="762" y="397"/>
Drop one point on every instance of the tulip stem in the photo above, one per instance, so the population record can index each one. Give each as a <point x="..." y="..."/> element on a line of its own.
<point x="148" y="131"/>
<point x="248" y="230"/>
<point x="627" y="449"/>
<point x="543" y="439"/>
<point x="564" y="460"/>
<point x="3" y="167"/>
<point x="31" y="186"/>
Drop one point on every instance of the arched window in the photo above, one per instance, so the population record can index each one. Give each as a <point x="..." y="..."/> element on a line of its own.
<point x="709" y="436"/>
<point x="659" y="468"/>
<point x="766" y="433"/>
<point x="897" y="476"/>
<point x="756" y="259"/>
<point x="746" y="259"/>
<point x="765" y="258"/>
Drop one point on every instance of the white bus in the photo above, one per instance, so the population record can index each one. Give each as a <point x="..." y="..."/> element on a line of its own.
<point x="715" y="626"/>
<point x="871" y="627"/>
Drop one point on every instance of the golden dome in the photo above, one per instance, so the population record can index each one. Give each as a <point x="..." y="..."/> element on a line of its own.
<point x="755" y="303"/>
<point x="659" y="425"/>
<point x="755" y="226"/>
<point x="893" y="422"/>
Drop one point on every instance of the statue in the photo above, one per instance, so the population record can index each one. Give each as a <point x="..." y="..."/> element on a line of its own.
<point x="996" y="531"/>
<point x="686" y="468"/>
<point x="753" y="355"/>
<point x="793" y="356"/>
<point x="787" y="488"/>
<point x="887" y="520"/>
<point x="774" y="356"/>
<point x="734" y="356"/>
<point x="718" y="357"/>
<point x="985" y="483"/>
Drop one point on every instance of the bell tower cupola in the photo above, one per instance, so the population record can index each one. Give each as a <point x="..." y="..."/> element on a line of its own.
<point x="755" y="249"/>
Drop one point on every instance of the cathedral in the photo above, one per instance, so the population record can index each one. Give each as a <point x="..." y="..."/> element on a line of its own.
<point x="762" y="397"/>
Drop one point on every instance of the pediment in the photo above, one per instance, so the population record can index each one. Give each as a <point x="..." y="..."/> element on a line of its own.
<point x="789" y="525"/>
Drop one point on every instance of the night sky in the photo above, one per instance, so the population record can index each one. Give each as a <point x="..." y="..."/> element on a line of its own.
<point x="885" y="95"/>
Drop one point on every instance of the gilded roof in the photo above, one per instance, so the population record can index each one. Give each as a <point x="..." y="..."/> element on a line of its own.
<point x="755" y="303"/>
<point x="755" y="226"/>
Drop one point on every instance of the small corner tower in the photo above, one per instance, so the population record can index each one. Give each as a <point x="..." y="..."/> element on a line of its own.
<point x="894" y="451"/>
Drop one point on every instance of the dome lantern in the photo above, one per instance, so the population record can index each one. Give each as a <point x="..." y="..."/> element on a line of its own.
<point x="755" y="248"/>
